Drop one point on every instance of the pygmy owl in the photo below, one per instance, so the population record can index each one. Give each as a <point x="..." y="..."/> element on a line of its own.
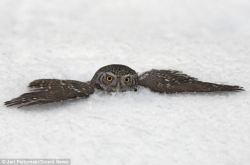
<point x="115" y="78"/>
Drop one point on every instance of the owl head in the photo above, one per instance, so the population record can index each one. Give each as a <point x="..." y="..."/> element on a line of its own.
<point x="114" y="78"/>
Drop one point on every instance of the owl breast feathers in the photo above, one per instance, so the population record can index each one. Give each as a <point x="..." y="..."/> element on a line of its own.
<point x="115" y="78"/>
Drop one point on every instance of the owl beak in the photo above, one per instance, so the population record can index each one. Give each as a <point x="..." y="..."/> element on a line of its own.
<point x="118" y="87"/>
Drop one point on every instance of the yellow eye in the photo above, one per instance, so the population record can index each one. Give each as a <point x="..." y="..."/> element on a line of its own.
<point x="127" y="79"/>
<point x="109" y="78"/>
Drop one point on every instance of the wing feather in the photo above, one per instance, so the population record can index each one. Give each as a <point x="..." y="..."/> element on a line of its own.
<point x="52" y="90"/>
<point x="171" y="81"/>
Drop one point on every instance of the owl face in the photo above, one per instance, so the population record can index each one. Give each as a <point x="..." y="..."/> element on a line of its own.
<point x="116" y="79"/>
<point x="110" y="82"/>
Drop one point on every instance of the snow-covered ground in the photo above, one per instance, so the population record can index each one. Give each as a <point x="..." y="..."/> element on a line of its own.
<point x="65" y="39"/>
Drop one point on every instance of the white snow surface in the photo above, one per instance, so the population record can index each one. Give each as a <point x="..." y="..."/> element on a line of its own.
<point x="64" y="39"/>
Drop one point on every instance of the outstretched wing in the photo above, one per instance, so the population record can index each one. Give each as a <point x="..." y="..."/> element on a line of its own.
<point x="52" y="90"/>
<point x="171" y="81"/>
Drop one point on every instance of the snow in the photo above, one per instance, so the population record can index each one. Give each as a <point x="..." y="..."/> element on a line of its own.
<point x="71" y="39"/>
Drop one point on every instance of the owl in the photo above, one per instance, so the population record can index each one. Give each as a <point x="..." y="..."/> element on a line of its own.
<point x="115" y="78"/>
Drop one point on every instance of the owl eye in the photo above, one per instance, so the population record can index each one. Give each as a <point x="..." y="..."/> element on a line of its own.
<point x="109" y="78"/>
<point x="127" y="79"/>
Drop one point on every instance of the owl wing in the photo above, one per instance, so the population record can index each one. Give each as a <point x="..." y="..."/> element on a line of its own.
<point x="172" y="81"/>
<point x="52" y="90"/>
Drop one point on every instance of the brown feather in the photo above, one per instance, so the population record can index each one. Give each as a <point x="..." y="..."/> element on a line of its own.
<point x="169" y="81"/>
<point x="52" y="90"/>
